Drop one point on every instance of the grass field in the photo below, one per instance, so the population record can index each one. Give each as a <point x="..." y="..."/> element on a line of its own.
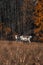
<point x="20" y="53"/>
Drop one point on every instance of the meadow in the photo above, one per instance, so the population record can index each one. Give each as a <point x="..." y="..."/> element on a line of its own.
<point x="21" y="53"/>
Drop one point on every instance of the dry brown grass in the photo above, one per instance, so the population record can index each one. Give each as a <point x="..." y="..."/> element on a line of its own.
<point x="19" y="53"/>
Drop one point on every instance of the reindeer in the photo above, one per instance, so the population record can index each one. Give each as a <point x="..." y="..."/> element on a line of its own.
<point x="25" y="38"/>
<point x="17" y="37"/>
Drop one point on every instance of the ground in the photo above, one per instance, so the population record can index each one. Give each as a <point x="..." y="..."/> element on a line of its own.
<point x="20" y="53"/>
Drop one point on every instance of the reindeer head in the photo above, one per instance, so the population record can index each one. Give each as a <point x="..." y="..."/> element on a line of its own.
<point x="30" y="36"/>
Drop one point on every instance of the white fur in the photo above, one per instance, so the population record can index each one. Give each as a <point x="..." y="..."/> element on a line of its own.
<point x="16" y="37"/>
<point x="23" y="38"/>
<point x="29" y="39"/>
<point x="26" y="38"/>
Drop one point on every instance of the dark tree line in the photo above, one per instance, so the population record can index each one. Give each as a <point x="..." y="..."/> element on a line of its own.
<point x="17" y="17"/>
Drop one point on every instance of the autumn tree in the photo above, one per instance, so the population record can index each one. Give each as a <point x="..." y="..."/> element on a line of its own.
<point x="38" y="19"/>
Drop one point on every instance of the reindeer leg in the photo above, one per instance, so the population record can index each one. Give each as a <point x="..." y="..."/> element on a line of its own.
<point x="29" y="41"/>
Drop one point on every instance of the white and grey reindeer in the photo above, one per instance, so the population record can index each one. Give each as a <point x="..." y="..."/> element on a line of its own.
<point x="16" y="37"/>
<point x="25" y="38"/>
